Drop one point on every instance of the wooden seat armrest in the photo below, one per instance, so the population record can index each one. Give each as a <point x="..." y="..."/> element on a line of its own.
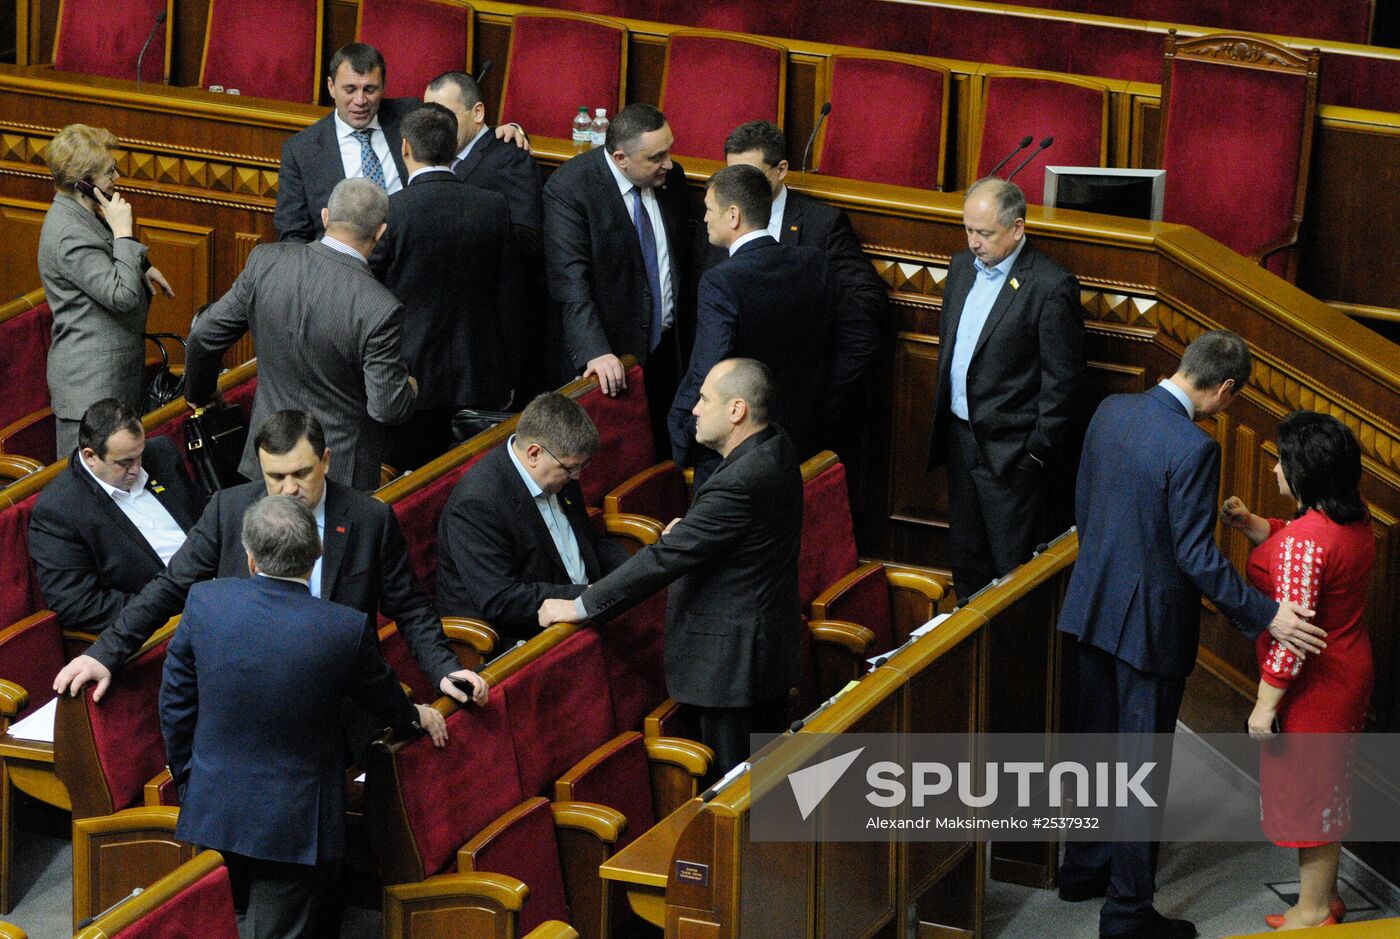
<point x="651" y="724"/>
<point x="834" y="592"/>
<point x="13" y="698"/>
<point x="852" y="637"/>
<point x="604" y="824"/>
<point x="1289" y="240"/>
<point x="553" y="929"/>
<point x="11" y="931"/>
<point x="478" y="634"/>
<point x="690" y="755"/>
<point x="499" y="890"/>
<point x="14" y="427"/>
<point x="78" y="636"/>
<point x="14" y="466"/>
<point x="151" y="791"/>
<point x="636" y="528"/>
<point x="587" y="835"/>
<point x="636" y="480"/>
<point x="933" y="586"/>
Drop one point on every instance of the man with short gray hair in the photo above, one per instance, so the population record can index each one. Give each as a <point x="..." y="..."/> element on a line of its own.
<point x="249" y="702"/>
<point x="327" y="337"/>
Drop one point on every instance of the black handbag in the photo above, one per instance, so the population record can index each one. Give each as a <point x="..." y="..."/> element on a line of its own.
<point x="214" y="440"/>
<point x="468" y="422"/>
<point x="165" y="386"/>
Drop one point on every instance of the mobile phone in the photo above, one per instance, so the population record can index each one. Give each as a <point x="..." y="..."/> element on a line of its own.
<point x="86" y="187"/>
<point x="464" y="685"/>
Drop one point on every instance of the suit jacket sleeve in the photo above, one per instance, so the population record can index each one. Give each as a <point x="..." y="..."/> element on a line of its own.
<point x="481" y="579"/>
<point x="375" y="687"/>
<point x="1061" y="365"/>
<point x="520" y="181"/>
<point x="716" y="520"/>
<point x="403" y="601"/>
<point x="862" y="309"/>
<point x="163" y="597"/>
<point x="214" y="331"/>
<point x="67" y="575"/>
<point x="292" y="217"/>
<point x="1191" y="495"/>
<point x="390" y="396"/>
<point x="717" y="318"/>
<point x="179" y="701"/>
<point x="569" y="268"/>
<point x="116" y="280"/>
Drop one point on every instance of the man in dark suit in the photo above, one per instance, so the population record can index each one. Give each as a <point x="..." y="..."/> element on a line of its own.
<point x="516" y="531"/>
<point x="491" y="163"/>
<point x="860" y="300"/>
<point x="254" y="677"/>
<point x="616" y="242"/>
<point x="327" y="336"/>
<point x="1146" y="510"/>
<point x="443" y="257"/>
<point x="364" y="565"/>
<point x="112" y="520"/>
<point x="733" y="623"/>
<point x="1010" y="354"/>
<point x="766" y="301"/>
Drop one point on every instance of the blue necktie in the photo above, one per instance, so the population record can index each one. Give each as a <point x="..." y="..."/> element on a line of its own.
<point x="647" y="235"/>
<point x="370" y="167"/>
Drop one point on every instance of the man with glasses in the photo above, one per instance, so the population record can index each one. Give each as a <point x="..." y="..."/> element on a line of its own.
<point x="515" y="531"/>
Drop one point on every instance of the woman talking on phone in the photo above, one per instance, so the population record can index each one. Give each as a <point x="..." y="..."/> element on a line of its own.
<point x="97" y="280"/>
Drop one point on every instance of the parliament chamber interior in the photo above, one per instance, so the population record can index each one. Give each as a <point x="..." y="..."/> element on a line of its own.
<point x="575" y="803"/>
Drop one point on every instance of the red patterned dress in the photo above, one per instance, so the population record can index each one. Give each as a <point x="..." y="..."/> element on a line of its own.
<point x="1305" y="784"/>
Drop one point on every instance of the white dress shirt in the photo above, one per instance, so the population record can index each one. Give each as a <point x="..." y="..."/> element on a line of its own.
<point x="746" y="238"/>
<point x="152" y="520"/>
<point x="343" y="248"/>
<point x="350" y="152"/>
<point x="658" y="227"/>
<point x="775" y="220"/>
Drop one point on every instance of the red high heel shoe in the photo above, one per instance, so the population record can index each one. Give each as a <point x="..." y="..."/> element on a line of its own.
<point x="1336" y="909"/>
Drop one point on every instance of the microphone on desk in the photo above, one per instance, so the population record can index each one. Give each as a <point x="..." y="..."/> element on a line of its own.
<point x="1026" y="141"/>
<point x="485" y="67"/>
<point x="160" y="21"/>
<point x="1044" y="145"/>
<point x="826" y="109"/>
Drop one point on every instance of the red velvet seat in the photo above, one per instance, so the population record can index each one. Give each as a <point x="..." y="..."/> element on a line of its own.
<point x="26" y="420"/>
<point x="543" y="96"/>
<point x="1072" y="110"/>
<point x="19" y="590"/>
<point x="868" y="24"/>
<point x="284" y="62"/>
<point x="193" y="900"/>
<point x="419" y="39"/>
<point x="418" y="513"/>
<point x="775" y="18"/>
<point x="713" y="82"/>
<point x="104" y="37"/>
<point x="1217" y="153"/>
<point x="624" y="431"/>
<point x="906" y="97"/>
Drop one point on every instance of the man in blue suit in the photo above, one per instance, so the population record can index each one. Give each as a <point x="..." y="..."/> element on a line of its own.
<point x="250" y="706"/>
<point x="1145" y="507"/>
<point x="765" y="301"/>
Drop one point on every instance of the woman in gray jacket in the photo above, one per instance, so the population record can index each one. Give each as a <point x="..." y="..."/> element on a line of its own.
<point x="97" y="280"/>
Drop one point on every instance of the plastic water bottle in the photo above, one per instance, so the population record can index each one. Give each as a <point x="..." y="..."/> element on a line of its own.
<point x="598" y="130"/>
<point x="581" y="125"/>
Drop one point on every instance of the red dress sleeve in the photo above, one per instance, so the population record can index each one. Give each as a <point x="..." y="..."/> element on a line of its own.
<point x="1297" y="575"/>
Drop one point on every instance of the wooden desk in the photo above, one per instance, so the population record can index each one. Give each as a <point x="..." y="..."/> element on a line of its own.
<point x="644" y="866"/>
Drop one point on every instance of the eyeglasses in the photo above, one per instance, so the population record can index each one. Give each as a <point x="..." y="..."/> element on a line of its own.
<point x="573" y="471"/>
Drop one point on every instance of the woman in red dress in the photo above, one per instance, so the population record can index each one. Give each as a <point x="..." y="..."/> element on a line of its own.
<point x="1320" y="560"/>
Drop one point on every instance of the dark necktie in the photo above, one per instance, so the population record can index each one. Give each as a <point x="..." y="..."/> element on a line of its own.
<point x="641" y="219"/>
<point x="370" y="167"/>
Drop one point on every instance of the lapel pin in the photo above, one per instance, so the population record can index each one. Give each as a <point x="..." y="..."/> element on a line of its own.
<point x="1015" y="284"/>
<point x="340" y="529"/>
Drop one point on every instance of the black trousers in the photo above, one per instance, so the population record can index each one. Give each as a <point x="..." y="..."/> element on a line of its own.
<point x="727" y="730"/>
<point x="277" y="900"/>
<point x="994" y="522"/>
<point x="662" y="373"/>
<point x="1115" y="698"/>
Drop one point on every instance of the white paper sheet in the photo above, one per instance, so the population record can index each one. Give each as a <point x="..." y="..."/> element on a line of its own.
<point x="38" y="725"/>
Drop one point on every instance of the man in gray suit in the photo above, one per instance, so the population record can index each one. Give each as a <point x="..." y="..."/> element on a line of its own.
<point x="326" y="335"/>
<point x="733" y="621"/>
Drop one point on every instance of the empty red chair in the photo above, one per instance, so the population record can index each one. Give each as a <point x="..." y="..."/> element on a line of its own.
<point x="26" y="419"/>
<point x="906" y="97"/>
<point x="1217" y="153"/>
<point x="193" y="899"/>
<point x="104" y="37"/>
<point x="268" y="48"/>
<point x="624" y="436"/>
<point x="713" y="82"/>
<point x="559" y="62"/>
<point x="1014" y="103"/>
<point x="419" y="39"/>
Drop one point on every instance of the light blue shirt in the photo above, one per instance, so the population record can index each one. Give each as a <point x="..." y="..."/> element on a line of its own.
<point x="320" y="513"/>
<point x="462" y="154"/>
<point x="986" y="285"/>
<point x="1179" y="395"/>
<point x="560" y="531"/>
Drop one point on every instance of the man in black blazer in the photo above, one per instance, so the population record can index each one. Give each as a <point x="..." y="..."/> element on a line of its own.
<point x="733" y="623"/>
<point x="112" y="520"/>
<point x="516" y="531"/>
<point x="616" y="241"/>
<point x="766" y="301"/>
<point x="364" y="565"/>
<point x="253" y="679"/>
<point x="1010" y="356"/>
<point x="443" y="256"/>
<point x="860" y="300"/>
